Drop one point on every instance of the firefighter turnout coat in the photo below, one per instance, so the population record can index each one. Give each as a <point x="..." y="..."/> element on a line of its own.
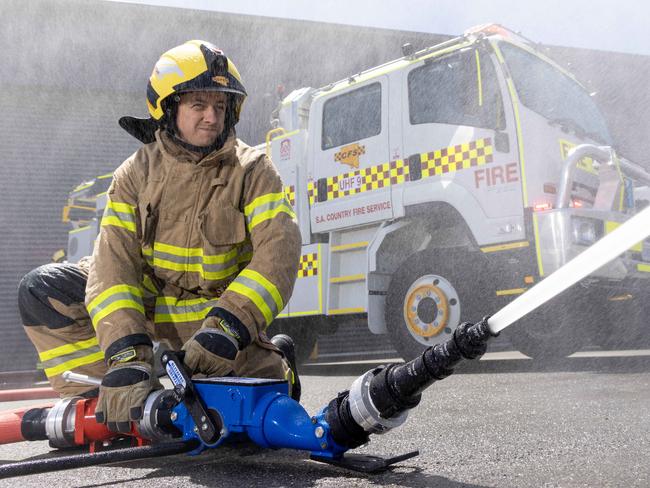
<point x="181" y="234"/>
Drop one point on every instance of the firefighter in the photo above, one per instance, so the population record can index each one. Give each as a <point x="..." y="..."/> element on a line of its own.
<point x="198" y="249"/>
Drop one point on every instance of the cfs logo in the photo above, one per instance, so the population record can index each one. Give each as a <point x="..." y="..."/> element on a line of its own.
<point x="222" y="80"/>
<point x="350" y="155"/>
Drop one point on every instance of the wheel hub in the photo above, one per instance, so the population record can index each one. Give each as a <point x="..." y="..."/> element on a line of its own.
<point x="431" y="308"/>
<point x="427" y="310"/>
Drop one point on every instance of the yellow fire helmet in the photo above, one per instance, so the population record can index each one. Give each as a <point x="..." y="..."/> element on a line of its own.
<point x="193" y="66"/>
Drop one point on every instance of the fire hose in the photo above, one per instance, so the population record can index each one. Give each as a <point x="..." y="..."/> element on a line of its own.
<point x="204" y="413"/>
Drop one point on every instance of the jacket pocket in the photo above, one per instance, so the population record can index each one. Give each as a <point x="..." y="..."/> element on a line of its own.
<point x="222" y="224"/>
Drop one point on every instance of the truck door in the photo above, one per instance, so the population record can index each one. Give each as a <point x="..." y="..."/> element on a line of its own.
<point x="461" y="143"/>
<point x="349" y="147"/>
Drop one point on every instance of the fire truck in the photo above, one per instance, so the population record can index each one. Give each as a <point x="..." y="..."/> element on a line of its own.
<point x="435" y="188"/>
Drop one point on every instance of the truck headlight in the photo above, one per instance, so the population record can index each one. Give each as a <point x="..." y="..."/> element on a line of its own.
<point x="586" y="231"/>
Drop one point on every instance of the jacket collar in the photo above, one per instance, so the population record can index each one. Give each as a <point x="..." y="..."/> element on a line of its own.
<point x="175" y="152"/>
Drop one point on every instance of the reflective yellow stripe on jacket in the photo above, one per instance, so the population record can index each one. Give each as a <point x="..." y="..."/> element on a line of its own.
<point x="115" y="298"/>
<point x="192" y="259"/>
<point x="171" y="309"/>
<point x="119" y="215"/>
<point x="260" y="291"/>
<point x="69" y="356"/>
<point x="266" y="207"/>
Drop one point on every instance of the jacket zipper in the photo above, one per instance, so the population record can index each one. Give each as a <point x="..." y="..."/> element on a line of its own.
<point x="192" y="222"/>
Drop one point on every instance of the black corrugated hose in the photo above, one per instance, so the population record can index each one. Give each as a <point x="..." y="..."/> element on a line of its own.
<point x="24" y="468"/>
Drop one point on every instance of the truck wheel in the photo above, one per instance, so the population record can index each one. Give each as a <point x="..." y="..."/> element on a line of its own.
<point x="557" y="328"/>
<point x="303" y="333"/>
<point x="430" y="294"/>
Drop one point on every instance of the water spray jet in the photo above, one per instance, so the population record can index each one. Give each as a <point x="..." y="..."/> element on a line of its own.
<point x="634" y="230"/>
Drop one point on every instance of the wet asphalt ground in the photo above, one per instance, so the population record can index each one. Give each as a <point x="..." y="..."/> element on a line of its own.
<point x="501" y="422"/>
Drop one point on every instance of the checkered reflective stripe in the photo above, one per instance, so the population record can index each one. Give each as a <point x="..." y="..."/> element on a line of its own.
<point x="308" y="265"/>
<point x="434" y="163"/>
<point x="312" y="191"/>
<point x="454" y="158"/>
<point x="290" y="193"/>
<point x="372" y="178"/>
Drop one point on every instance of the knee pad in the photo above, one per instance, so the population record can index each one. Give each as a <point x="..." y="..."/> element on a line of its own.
<point x="63" y="282"/>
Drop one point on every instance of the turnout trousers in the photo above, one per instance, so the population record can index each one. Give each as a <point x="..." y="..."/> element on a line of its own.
<point x="52" y="309"/>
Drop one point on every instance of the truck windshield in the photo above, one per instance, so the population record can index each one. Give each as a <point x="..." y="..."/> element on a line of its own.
<point x="556" y="97"/>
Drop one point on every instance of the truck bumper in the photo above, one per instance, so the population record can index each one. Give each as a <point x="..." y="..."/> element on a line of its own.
<point x="560" y="235"/>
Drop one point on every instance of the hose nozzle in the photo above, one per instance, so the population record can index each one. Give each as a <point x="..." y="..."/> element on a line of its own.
<point x="380" y="399"/>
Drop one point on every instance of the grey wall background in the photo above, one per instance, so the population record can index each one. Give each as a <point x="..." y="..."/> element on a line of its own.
<point x="71" y="68"/>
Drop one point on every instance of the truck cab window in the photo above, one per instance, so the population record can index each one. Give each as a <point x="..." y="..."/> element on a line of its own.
<point x="450" y="91"/>
<point x="549" y="92"/>
<point x="352" y="116"/>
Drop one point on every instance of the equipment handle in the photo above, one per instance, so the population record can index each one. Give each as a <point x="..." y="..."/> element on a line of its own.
<point x="71" y="377"/>
<point x="186" y="392"/>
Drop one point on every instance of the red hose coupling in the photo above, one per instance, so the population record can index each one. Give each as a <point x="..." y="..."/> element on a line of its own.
<point x="88" y="431"/>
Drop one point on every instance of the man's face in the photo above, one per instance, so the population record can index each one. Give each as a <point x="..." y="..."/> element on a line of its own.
<point x="200" y="118"/>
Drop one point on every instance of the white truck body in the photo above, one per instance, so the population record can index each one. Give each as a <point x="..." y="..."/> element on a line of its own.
<point x="460" y="146"/>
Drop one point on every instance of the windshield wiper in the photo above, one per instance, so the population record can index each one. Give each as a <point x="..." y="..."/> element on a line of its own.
<point x="567" y="124"/>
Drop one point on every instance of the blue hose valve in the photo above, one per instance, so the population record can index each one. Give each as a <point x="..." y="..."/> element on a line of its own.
<point x="259" y="408"/>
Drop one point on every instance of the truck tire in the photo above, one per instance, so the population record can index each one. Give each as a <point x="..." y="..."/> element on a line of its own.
<point x="557" y="328"/>
<point x="430" y="294"/>
<point x="625" y="323"/>
<point x="303" y="333"/>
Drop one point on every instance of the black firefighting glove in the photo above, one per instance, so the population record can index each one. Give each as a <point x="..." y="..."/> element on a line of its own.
<point x="212" y="349"/>
<point x="125" y="387"/>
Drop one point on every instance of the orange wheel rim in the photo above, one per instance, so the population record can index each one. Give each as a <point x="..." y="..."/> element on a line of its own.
<point x="426" y="326"/>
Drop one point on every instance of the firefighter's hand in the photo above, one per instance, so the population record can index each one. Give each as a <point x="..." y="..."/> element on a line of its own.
<point x="125" y="387"/>
<point x="212" y="349"/>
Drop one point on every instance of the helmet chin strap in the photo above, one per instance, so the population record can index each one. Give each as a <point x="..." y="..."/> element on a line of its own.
<point x="205" y="150"/>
